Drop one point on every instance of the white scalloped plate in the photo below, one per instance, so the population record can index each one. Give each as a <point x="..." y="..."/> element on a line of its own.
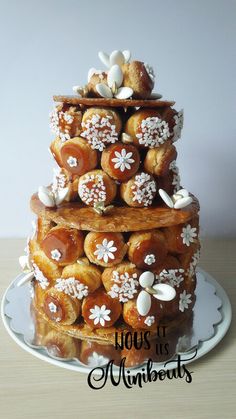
<point x="207" y="333"/>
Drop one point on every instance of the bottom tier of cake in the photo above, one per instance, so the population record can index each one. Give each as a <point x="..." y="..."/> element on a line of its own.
<point x="93" y="284"/>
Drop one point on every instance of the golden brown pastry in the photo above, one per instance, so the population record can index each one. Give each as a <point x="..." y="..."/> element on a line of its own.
<point x="61" y="345"/>
<point x="101" y="127"/>
<point x="95" y="77"/>
<point x="139" y="191"/>
<point x="157" y="160"/>
<point x="120" y="161"/>
<point x="97" y="354"/>
<point x="147" y="128"/>
<point x="121" y="281"/>
<point x="147" y="249"/>
<point x="96" y="186"/>
<point x="77" y="156"/>
<point x="43" y="227"/>
<point x="55" y="149"/>
<point x="105" y="249"/>
<point x="45" y="269"/>
<point x="63" y="245"/>
<point x="100" y="310"/>
<point x="61" y="307"/>
<point x="139" y="77"/>
<point x="65" y="121"/>
<point x="85" y="273"/>
<point x="181" y="237"/>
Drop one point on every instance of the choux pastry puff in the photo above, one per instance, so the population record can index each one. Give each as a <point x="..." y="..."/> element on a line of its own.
<point x="96" y="186"/>
<point x="63" y="245"/>
<point x="105" y="249"/>
<point x="100" y="127"/>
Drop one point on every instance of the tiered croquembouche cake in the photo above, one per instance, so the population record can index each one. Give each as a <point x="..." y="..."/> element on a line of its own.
<point x="116" y="241"/>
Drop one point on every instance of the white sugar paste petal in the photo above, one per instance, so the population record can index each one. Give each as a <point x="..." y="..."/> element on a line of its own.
<point x="127" y="55"/>
<point x="46" y="197"/>
<point x="26" y="278"/>
<point x="103" y="90"/>
<point x="183" y="192"/>
<point x="183" y="202"/>
<point x="105" y="59"/>
<point x="114" y="75"/>
<point x="124" y="93"/>
<point x="166" y="198"/>
<point x="117" y="57"/>
<point x="146" y="279"/>
<point x="164" y="292"/>
<point x="24" y="261"/>
<point x="143" y="303"/>
<point x="61" y="195"/>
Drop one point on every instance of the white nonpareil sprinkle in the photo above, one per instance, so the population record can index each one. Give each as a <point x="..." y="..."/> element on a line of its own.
<point x="56" y="254"/>
<point x="172" y="277"/>
<point x="72" y="287"/>
<point x="57" y="117"/>
<point x="176" y="177"/>
<point x="125" y="286"/>
<point x="105" y="250"/>
<point x="144" y="189"/>
<point x="154" y="132"/>
<point x="95" y="192"/>
<point x="150" y="259"/>
<point x="52" y="307"/>
<point x="193" y="263"/>
<point x="179" y="123"/>
<point x="123" y="160"/>
<point x="99" y="131"/>
<point x="72" y="161"/>
<point x="39" y="276"/>
<point x="184" y="301"/>
<point x="100" y="315"/>
<point x="188" y="234"/>
<point x="59" y="180"/>
<point x="149" y="320"/>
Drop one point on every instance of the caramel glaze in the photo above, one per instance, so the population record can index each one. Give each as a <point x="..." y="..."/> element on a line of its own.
<point x="119" y="219"/>
<point x="59" y="314"/>
<point x="69" y="242"/>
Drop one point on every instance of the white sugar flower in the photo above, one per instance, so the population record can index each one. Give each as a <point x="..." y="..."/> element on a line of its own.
<point x="184" y="300"/>
<point x="97" y="360"/>
<point x="56" y="254"/>
<point x="52" y="307"/>
<point x="116" y="57"/>
<point x="149" y="320"/>
<point x="105" y="250"/>
<point x="163" y="292"/>
<point x="100" y="315"/>
<point x="72" y="161"/>
<point x="150" y="259"/>
<point x="177" y="201"/>
<point x="50" y="197"/>
<point x="123" y="160"/>
<point x="113" y="87"/>
<point x="188" y="234"/>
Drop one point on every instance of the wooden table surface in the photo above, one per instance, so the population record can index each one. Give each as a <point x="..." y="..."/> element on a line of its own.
<point x="32" y="388"/>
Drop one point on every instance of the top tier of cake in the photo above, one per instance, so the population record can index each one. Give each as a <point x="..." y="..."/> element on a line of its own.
<point x="114" y="145"/>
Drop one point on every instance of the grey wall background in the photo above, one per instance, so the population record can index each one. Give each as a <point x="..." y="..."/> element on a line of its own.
<point x="48" y="46"/>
